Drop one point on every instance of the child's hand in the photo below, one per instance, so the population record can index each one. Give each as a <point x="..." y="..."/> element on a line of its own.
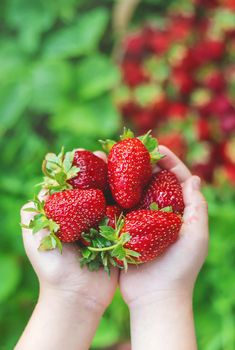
<point x="61" y="273"/>
<point x="159" y="294"/>
<point x="175" y="272"/>
<point x="72" y="299"/>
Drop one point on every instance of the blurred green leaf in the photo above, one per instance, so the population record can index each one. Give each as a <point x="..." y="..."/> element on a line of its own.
<point x="12" y="61"/>
<point x="50" y="83"/>
<point x="13" y="101"/>
<point x="95" y="75"/>
<point x="22" y="13"/>
<point x="145" y="94"/>
<point x="9" y="275"/>
<point x="78" y="38"/>
<point x="98" y="117"/>
<point x="107" y="333"/>
<point x="30" y="18"/>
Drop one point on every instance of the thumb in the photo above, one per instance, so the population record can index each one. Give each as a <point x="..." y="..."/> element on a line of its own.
<point x="195" y="219"/>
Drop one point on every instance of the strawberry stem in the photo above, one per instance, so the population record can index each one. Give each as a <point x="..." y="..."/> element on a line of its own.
<point x="107" y="247"/>
<point x="103" y="249"/>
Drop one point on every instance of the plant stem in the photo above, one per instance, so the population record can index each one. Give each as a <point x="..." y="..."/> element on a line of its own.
<point x="103" y="249"/>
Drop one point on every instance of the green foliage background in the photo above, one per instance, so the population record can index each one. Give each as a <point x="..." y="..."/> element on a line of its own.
<point x="56" y="78"/>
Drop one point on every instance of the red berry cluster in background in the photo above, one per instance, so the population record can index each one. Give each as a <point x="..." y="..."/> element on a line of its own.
<point x="179" y="80"/>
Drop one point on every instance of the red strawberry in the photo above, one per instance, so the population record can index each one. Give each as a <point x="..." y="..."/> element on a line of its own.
<point x="75" y="211"/>
<point x="230" y="172"/>
<point x="77" y="169"/>
<point x="203" y="129"/>
<point x="129" y="169"/>
<point x="227" y="122"/>
<point x="133" y="73"/>
<point x="92" y="173"/>
<point x="165" y="190"/>
<point x="183" y="81"/>
<point x="215" y="81"/>
<point x="176" y="142"/>
<point x="67" y="215"/>
<point x="112" y="213"/>
<point x="205" y="170"/>
<point x="177" y="110"/>
<point x="144" y="120"/>
<point x="157" y="41"/>
<point x="228" y="151"/>
<point x="151" y="232"/>
<point x="134" y="45"/>
<point x="139" y="238"/>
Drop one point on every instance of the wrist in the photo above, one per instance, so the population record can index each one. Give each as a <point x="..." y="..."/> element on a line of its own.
<point x="70" y="302"/>
<point x="154" y="319"/>
<point x="60" y="321"/>
<point x="161" y="299"/>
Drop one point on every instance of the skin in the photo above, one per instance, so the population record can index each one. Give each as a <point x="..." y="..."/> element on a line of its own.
<point x="71" y="300"/>
<point x="158" y="294"/>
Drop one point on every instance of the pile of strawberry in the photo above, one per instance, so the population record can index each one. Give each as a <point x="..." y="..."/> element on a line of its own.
<point x="179" y="77"/>
<point x="119" y="212"/>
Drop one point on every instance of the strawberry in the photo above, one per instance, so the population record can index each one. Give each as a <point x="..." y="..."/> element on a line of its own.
<point x="78" y="169"/>
<point x="227" y="150"/>
<point x="151" y="232"/>
<point x="93" y="171"/>
<point x="129" y="168"/>
<point x="133" y="73"/>
<point x="67" y="215"/>
<point x="175" y="141"/>
<point x="112" y="213"/>
<point x="134" y="45"/>
<point x="164" y="190"/>
<point x="139" y="238"/>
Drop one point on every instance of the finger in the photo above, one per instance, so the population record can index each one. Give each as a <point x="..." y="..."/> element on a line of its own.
<point x="32" y="241"/>
<point x="101" y="155"/>
<point x="43" y="194"/>
<point x="195" y="219"/>
<point x="172" y="163"/>
<point x="28" y="237"/>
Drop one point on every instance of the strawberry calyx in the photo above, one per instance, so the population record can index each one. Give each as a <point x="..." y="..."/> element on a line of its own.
<point x="148" y="141"/>
<point x="151" y="144"/>
<point x="58" y="169"/>
<point x="126" y="134"/>
<point x="107" y="248"/>
<point x="39" y="222"/>
<point x="108" y="144"/>
<point x="154" y="206"/>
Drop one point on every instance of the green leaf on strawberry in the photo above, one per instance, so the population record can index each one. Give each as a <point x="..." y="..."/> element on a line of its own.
<point x="107" y="144"/>
<point x="106" y="247"/>
<point x="108" y="232"/>
<point x="39" y="222"/>
<point x="50" y="242"/>
<point x="151" y="144"/>
<point x="127" y="134"/>
<point x="58" y="169"/>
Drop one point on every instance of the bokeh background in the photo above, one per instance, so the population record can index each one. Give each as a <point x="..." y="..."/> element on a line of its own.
<point x="74" y="71"/>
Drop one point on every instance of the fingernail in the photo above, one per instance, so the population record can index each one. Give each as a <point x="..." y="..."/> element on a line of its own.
<point x="196" y="183"/>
